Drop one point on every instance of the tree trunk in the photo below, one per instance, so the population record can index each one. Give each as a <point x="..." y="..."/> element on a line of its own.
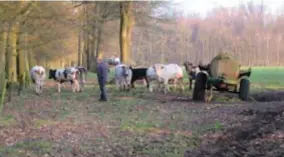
<point x="97" y="43"/>
<point x="21" y="72"/>
<point x="12" y="54"/>
<point x="12" y="57"/>
<point x="26" y="64"/>
<point x="3" y="81"/>
<point x="126" y="25"/>
<point x="85" y="38"/>
<point x="80" y="57"/>
<point x="138" y="51"/>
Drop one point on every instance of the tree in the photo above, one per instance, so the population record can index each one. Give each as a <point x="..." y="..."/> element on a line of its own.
<point x="3" y="81"/>
<point x="126" y="25"/>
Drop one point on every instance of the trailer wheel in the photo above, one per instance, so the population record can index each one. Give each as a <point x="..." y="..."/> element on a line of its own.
<point x="244" y="89"/>
<point x="199" y="87"/>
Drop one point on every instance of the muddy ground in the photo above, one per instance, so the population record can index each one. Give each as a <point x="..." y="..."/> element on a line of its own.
<point x="259" y="131"/>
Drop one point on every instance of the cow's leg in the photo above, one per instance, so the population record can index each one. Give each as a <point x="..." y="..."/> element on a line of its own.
<point x="182" y="85"/>
<point x="175" y="84"/>
<point x="117" y="83"/>
<point x="122" y="85"/>
<point x="73" y="87"/>
<point x="58" y="87"/>
<point x="76" y="86"/>
<point x="159" y="82"/>
<point x="132" y="83"/>
<point x="180" y="82"/>
<point x="166" y="86"/>
<point x="36" y="88"/>
<point x="190" y="83"/>
<point x="40" y="88"/>
<point x="150" y="87"/>
<point x="128" y="87"/>
<point x="81" y="88"/>
<point x="145" y="81"/>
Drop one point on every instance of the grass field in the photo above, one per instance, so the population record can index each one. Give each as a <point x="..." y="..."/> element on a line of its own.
<point x="135" y="123"/>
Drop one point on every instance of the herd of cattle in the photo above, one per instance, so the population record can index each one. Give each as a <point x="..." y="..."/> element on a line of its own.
<point x="75" y="75"/>
<point x="124" y="76"/>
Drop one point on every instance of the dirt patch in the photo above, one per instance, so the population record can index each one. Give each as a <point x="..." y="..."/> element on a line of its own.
<point x="163" y="132"/>
<point x="259" y="133"/>
<point x="268" y="96"/>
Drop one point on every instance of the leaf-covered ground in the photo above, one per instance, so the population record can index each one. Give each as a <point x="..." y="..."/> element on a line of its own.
<point x="130" y="124"/>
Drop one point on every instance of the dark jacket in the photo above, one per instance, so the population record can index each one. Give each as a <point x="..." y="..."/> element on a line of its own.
<point x="102" y="72"/>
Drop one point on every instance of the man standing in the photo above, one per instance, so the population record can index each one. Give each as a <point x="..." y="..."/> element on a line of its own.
<point x="102" y="73"/>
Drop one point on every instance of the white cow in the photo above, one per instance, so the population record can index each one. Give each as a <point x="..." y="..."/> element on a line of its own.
<point x="122" y="76"/>
<point x="116" y="60"/>
<point x="167" y="72"/>
<point x="65" y="75"/>
<point x="37" y="74"/>
<point x="152" y="76"/>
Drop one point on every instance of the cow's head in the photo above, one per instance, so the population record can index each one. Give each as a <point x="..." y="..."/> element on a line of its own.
<point x="158" y="67"/>
<point x="188" y="66"/>
<point x="124" y="71"/>
<point x="71" y="73"/>
<point x="82" y="72"/>
<point x="38" y="72"/>
<point x="127" y="72"/>
<point x="52" y="73"/>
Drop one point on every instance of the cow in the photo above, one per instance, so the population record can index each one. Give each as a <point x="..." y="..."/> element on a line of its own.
<point x="191" y="71"/>
<point x="169" y="71"/>
<point x="82" y="76"/>
<point x="37" y="74"/>
<point x="151" y="75"/>
<point x="122" y="76"/>
<point x="114" y="61"/>
<point x="63" y="75"/>
<point x="139" y="74"/>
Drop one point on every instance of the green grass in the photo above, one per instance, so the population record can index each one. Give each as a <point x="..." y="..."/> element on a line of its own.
<point x="7" y="120"/>
<point x="268" y="77"/>
<point x="31" y="147"/>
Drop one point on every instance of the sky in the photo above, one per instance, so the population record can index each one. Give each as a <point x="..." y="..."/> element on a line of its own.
<point x="203" y="6"/>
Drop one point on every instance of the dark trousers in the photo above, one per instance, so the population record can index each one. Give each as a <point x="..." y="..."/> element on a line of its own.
<point x="103" y="91"/>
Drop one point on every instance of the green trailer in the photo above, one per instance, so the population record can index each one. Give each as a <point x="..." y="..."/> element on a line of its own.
<point x="223" y="73"/>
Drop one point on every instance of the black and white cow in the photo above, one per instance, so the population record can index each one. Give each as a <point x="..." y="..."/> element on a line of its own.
<point x="65" y="75"/>
<point x="37" y="74"/>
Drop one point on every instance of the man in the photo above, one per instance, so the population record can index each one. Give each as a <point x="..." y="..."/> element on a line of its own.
<point x="102" y="73"/>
